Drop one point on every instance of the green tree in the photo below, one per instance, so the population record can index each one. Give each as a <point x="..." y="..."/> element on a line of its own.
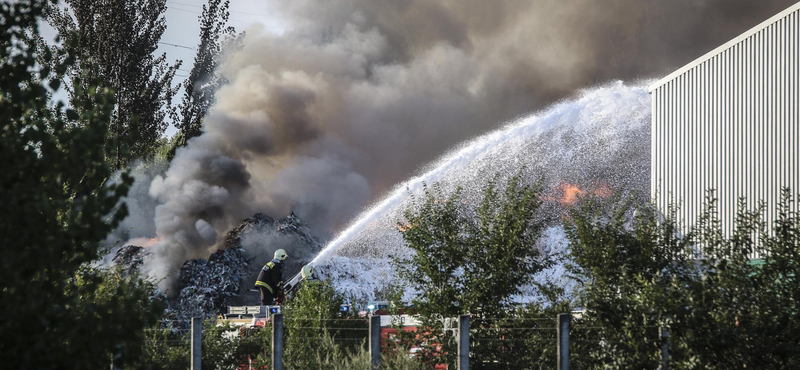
<point x="204" y="80"/>
<point x="164" y="349"/>
<point x="633" y="269"/>
<point x="225" y="347"/>
<point x="57" y="208"/>
<point x="470" y="260"/>
<point x="723" y="309"/>
<point x="744" y="311"/>
<point x="319" y="336"/>
<point x="312" y="316"/>
<point x="114" y="41"/>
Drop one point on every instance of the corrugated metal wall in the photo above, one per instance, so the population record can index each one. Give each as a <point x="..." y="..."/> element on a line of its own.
<point x="729" y="122"/>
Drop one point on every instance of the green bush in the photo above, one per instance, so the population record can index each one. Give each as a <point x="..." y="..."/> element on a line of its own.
<point x="722" y="309"/>
<point x="311" y="317"/>
<point x="470" y="260"/>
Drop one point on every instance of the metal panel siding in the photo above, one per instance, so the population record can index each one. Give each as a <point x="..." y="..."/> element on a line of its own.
<point x="729" y="122"/>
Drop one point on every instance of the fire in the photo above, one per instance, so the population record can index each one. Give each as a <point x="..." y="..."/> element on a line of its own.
<point x="603" y="190"/>
<point x="571" y="193"/>
<point x="405" y="226"/>
<point x="144" y="242"/>
<point x="152" y="241"/>
<point x="567" y="194"/>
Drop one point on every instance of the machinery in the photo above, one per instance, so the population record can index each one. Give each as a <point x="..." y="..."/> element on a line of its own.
<point x="306" y="273"/>
<point x="257" y="316"/>
<point x="249" y="316"/>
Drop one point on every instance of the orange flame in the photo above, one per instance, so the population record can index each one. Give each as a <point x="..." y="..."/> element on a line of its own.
<point x="567" y="194"/>
<point x="603" y="190"/>
<point x="571" y="193"/>
<point x="152" y="241"/>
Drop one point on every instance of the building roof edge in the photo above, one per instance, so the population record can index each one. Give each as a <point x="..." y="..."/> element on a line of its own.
<point x="724" y="46"/>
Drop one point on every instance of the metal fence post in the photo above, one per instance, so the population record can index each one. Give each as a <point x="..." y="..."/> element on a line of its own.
<point x="463" y="342"/>
<point x="115" y="360"/>
<point x="197" y="343"/>
<point x="664" y="334"/>
<point x="375" y="341"/>
<point x="277" y="341"/>
<point x="562" y="343"/>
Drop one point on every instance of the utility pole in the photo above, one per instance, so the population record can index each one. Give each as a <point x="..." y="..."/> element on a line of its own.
<point x="277" y="341"/>
<point x="562" y="344"/>
<point x="197" y="343"/>
<point x="463" y="342"/>
<point x="375" y="341"/>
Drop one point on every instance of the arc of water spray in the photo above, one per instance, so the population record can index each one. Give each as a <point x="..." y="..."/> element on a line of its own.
<point x="527" y="126"/>
<point x="572" y="111"/>
<point x="534" y="124"/>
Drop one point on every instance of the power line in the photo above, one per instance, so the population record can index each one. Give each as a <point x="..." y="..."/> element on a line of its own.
<point x="193" y="12"/>
<point x="176" y="45"/>
<point x="184" y="10"/>
<point x="256" y="14"/>
<point x="231" y="19"/>
<point x="232" y="11"/>
<point x="175" y="2"/>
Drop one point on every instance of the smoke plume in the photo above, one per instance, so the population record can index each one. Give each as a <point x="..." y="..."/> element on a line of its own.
<point x="356" y="95"/>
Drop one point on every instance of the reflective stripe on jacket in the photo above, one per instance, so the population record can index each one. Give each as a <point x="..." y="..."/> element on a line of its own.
<point x="270" y="277"/>
<point x="265" y="285"/>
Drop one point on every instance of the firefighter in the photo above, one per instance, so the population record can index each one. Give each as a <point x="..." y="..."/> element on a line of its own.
<point x="270" y="280"/>
<point x="307" y="272"/>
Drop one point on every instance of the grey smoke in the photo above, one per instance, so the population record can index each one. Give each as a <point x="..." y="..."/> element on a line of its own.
<point x="401" y="81"/>
<point x="358" y="94"/>
<point x="138" y="227"/>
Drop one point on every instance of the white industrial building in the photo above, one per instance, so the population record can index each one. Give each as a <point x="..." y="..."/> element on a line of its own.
<point x="729" y="121"/>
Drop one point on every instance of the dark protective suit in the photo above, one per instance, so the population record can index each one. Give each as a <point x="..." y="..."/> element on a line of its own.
<point x="270" y="282"/>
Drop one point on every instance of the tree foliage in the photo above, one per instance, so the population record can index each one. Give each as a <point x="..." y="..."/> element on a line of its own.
<point x="744" y="311"/>
<point x="470" y="260"/>
<point x="319" y="336"/>
<point x="632" y="268"/>
<point x="722" y="309"/>
<point x="114" y="41"/>
<point x="204" y="79"/>
<point x="313" y="316"/>
<point x="57" y="207"/>
<point x="225" y="347"/>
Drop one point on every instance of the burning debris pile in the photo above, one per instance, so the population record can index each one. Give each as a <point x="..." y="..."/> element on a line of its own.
<point x="251" y="224"/>
<point x="259" y="223"/>
<point x="207" y="287"/>
<point x="129" y="258"/>
<point x="260" y="236"/>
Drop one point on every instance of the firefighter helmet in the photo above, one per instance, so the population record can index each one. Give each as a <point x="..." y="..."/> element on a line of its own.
<point x="280" y="254"/>
<point x="307" y="271"/>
